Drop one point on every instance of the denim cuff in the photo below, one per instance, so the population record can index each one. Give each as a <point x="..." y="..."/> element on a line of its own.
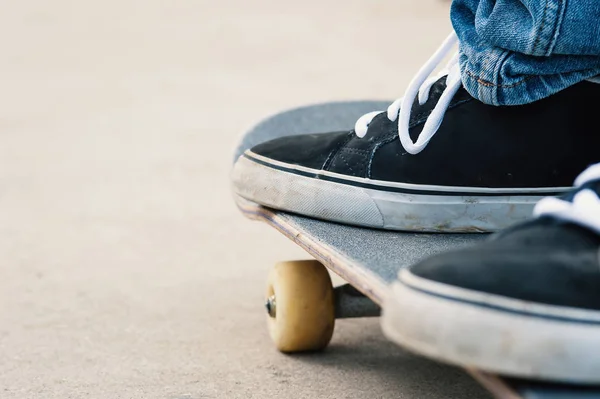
<point x="517" y="52"/>
<point x="500" y="77"/>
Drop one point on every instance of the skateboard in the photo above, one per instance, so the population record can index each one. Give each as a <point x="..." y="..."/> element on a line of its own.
<point x="301" y="302"/>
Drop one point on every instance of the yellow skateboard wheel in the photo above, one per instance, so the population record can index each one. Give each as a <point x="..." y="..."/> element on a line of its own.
<point x="300" y="306"/>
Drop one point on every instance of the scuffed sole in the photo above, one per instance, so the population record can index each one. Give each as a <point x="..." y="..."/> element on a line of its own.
<point x="350" y="203"/>
<point x="493" y="333"/>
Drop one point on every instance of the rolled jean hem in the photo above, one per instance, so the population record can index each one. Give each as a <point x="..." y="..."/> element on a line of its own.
<point x="527" y="89"/>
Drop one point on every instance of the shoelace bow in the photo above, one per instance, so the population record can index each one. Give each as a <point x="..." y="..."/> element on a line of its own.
<point x="421" y="86"/>
<point x="584" y="210"/>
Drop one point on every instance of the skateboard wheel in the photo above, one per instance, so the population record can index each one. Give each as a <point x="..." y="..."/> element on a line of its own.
<point x="300" y="306"/>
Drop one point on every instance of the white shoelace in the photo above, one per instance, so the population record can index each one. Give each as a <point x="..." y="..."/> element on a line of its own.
<point x="420" y="86"/>
<point x="585" y="208"/>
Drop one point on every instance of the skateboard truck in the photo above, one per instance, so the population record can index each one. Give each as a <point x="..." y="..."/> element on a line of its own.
<point x="351" y="303"/>
<point x="348" y="301"/>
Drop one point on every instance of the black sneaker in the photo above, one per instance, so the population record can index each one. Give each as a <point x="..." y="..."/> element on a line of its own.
<point x="484" y="169"/>
<point x="525" y="303"/>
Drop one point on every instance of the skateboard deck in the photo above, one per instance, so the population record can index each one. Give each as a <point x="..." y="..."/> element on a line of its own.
<point x="367" y="259"/>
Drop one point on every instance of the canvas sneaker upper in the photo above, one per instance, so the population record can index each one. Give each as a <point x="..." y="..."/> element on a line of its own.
<point x="436" y="160"/>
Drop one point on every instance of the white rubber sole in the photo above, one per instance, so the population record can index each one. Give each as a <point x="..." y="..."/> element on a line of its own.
<point x="493" y="333"/>
<point x="394" y="206"/>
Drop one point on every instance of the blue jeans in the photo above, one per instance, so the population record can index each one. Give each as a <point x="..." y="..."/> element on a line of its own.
<point x="518" y="51"/>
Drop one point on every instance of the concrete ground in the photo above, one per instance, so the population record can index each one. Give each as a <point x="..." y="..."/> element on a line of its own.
<point x="125" y="269"/>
